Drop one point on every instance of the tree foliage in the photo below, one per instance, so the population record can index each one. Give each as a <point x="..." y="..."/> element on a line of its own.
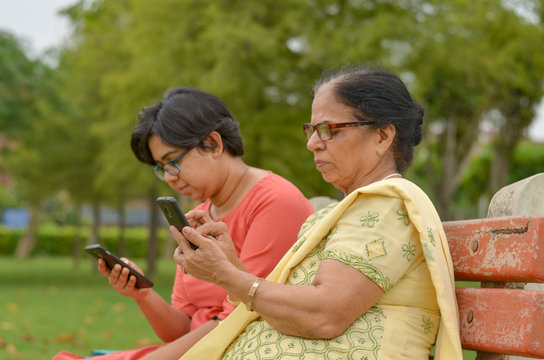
<point x="470" y="63"/>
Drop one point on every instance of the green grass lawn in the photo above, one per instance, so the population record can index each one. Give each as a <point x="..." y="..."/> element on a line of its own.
<point x="47" y="305"/>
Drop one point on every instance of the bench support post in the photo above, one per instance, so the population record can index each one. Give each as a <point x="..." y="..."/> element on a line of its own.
<point x="522" y="198"/>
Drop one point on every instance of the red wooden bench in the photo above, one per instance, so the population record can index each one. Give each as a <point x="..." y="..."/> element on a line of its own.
<point x="496" y="320"/>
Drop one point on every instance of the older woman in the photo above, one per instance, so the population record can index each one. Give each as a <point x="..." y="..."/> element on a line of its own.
<point x="369" y="277"/>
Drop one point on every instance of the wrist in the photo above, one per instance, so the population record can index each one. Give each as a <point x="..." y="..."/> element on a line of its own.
<point x="141" y="295"/>
<point x="251" y="293"/>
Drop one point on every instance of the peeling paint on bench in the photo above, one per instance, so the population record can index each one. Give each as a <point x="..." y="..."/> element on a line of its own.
<point x="497" y="249"/>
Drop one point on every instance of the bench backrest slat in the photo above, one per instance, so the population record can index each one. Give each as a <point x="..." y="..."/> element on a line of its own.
<point x="504" y="321"/>
<point x="506" y="249"/>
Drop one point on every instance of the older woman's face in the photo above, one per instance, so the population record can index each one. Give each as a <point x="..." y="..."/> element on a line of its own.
<point x="349" y="160"/>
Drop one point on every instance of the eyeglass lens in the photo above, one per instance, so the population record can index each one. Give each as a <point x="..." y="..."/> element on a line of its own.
<point x="323" y="131"/>
<point x="171" y="167"/>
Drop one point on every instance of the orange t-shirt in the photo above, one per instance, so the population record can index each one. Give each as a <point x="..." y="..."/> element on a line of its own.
<point x="263" y="227"/>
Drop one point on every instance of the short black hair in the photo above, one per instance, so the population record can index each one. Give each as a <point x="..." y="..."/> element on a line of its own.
<point x="183" y="119"/>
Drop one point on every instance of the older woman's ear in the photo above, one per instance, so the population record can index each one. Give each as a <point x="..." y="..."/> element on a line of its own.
<point x="386" y="135"/>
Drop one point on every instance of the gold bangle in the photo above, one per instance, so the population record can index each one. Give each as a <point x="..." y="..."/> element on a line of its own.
<point x="252" y="292"/>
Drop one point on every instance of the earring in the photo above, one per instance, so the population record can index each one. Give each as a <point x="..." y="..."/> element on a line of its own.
<point x="380" y="152"/>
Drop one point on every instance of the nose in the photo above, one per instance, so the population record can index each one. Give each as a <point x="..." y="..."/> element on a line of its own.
<point x="169" y="178"/>
<point x="314" y="142"/>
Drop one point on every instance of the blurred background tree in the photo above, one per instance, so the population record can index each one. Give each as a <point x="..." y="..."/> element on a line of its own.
<point x="476" y="67"/>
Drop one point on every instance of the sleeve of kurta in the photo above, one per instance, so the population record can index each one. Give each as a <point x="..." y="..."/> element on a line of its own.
<point x="376" y="237"/>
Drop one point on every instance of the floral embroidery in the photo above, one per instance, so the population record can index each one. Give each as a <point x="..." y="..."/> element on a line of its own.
<point x="431" y="236"/>
<point x="427" y="325"/>
<point x="376" y="249"/>
<point x="409" y="251"/>
<point x="403" y="216"/>
<point x="428" y="251"/>
<point x="377" y="313"/>
<point x="371" y="219"/>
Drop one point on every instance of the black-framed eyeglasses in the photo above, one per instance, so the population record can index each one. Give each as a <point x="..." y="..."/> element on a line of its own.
<point x="171" y="166"/>
<point x="325" y="130"/>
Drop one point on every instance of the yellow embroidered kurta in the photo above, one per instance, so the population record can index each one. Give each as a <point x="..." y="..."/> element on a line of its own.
<point x="391" y="233"/>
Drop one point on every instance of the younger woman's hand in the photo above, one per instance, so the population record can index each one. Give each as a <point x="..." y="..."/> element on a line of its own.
<point x="119" y="279"/>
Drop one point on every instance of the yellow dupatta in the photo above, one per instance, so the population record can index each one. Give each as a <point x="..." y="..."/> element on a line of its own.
<point x="435" y="248"/>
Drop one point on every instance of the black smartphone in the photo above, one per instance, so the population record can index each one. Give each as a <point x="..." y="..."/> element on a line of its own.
<point x="171" y="210"/>
<point x="99" y="252"/>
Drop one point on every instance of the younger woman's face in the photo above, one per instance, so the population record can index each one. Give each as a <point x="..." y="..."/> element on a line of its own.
<point x="196" y="177"/>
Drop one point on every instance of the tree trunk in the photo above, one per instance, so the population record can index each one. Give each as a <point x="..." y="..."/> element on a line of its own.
<point x="504" y="145"/>
<point x="152" y="250"/>
<point x="94" y="237"/>
<point x="28" y="240"/>
<point x="444" y="187"/>
<point x="78" y="240"/>
<point x="500" y="167"/>
<point x="456" y="156"/>
<point x="121" y="211"/>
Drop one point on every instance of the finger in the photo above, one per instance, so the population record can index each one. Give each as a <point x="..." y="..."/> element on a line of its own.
<point x="132" y="265"/>
<point x="180" y="259"/>
<point x="124" y="278"/>
<point x="178" y="256"/>
<point x="198" y="217"/>
<point x="183" y="243"/>
<point x="213" y="228"/>
<point x="131" y="284"/>
<point x="103" y="268"/>
<point x="114" y="274"/>
<point x="193" y="236"/>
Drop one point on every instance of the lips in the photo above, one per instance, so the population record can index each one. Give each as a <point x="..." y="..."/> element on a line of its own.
<point x="320" y="163"/>
<point x="185" y="190"/>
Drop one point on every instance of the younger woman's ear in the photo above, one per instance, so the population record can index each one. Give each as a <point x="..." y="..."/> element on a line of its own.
<point x="214" y="142"/>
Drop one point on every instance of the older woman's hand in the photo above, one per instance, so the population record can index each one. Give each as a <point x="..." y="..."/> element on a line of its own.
<point x="205" y="226"/>
<point x="209" y="260"/>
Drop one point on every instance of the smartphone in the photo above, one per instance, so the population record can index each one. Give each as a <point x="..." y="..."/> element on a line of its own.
<point x="99" y="252"/>
<point x="173" y="213"/>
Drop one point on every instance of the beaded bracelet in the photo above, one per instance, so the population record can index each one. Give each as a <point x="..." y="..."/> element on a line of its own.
<point x="251" y="293"/>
